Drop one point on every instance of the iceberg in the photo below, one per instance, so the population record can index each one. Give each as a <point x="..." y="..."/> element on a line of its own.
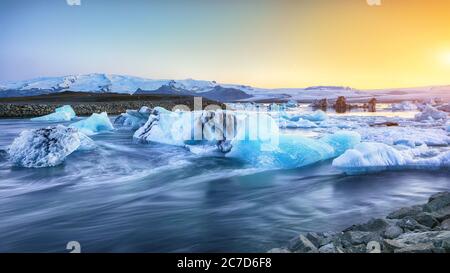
<point x="408" y="135"/>
<point x="277" y="107"/>
<point x="291" y="104"/>
<point x="64" y="113"/>
<point x="134" y="118"/>
<point x="301" y="123"/>
<point x="46" y="147"/>
<point x="187" y="128"/>
<point x="339" y="124"/>
<point x="374" y="157"/>
<point x="404" y="106"/>
<point x="166" y="127"/>
<point x="292" y="151"/>
<point x="429" y="113"/>
<point x="252" y="137"/>
<point x="94" y="124"/>
<point x="318" y="115"/>
<point x="205" y="127"/>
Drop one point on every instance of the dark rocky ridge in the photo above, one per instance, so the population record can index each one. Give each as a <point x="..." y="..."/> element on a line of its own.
<point x="87" y="103"/>
<point x="417" y="229"/>
<point x="218" y="93"/>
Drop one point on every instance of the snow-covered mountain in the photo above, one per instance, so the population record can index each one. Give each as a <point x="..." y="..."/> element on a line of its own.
<point x="110" y="83"/>
<point x="104" y="83"/>
<point x="209" y="89"/>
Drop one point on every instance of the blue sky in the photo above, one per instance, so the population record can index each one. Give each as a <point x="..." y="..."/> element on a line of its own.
<point x="264" y="43"/>
<point x="169" y="39"/>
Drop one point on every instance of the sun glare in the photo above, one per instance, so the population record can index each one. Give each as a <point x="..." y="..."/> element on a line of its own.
<point x="445" y="58"/>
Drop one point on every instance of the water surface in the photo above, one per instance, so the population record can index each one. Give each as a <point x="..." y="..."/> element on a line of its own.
<point x="130" y="197"/>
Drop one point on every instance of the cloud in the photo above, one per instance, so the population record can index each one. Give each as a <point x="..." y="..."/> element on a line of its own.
<point x="73" y="2"/>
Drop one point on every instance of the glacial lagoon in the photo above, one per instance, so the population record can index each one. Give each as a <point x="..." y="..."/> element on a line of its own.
<point x="128" y="196"/>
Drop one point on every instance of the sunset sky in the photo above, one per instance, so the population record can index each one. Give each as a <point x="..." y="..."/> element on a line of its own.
<point x="264" y="43"/>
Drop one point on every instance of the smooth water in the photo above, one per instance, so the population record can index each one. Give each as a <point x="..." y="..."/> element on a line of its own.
<point x="130" y="197"/>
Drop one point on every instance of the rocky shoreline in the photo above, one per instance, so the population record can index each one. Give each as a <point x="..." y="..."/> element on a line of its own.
<point x="417" y="229"/>
<point x="87" y="104"/>
<point x="33" y="110"/>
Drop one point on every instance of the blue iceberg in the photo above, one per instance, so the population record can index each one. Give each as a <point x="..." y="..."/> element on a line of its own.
<point x="291" y="104"/>
<point x="64" y="113"/>
<point x="253" y="137"/>
<point x="374" y="157"/>
<point x="134" y="118"/>
<point x="292" y="151"/>
<point x="94" y="124"/>
<point x="47" y="147"/>
<point x="301" y="123"/>
<point x="318" y="115"/>
<point x="167" y="127"/>
<point x="205" y="127"/>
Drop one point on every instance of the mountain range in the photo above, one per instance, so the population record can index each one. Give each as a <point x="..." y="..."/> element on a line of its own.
<point x="110" y="83"/>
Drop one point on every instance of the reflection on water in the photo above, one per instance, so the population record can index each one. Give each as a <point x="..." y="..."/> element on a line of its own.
<point x="132" y="197"/>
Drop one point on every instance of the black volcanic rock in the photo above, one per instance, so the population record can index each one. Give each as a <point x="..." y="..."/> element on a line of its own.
<point x="218" y="93"/>
<point x="372" y="105"/>
<point x="421" y="228"/>
<point x="341" y="105"/>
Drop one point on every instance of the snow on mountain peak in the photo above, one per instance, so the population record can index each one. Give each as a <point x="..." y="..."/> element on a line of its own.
<point x="97" y="82"/>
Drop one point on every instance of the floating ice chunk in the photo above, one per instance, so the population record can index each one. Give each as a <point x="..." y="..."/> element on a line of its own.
<point x="277" y="107"/>
<point x="292" y="151"/>
<point x="165" y="127"/>
<point x="94" y="124"/>
<point x="217" y="128"/>
<point x="404" y="106"/>
<point x="318" y="115"/>
<point x="342" y="141"/>
<point x="374" y="157"/>
<point x="134" y="118"/>
<point x="429" y="113"/>
<point x="301" y="123"/>
<point x="365" y="156"/>
<point x="46" y="147"/>
<point x="182" y="128"/>
<point x="291" y="104"/>
<point x="410" y="136"/>
<point x="337" y="123"/>
<point x="64" y="113"/>
<point x="86" y="143"/>
<point x="204" y="150"/>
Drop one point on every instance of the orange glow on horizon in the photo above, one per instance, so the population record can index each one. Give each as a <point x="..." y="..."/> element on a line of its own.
<point x="353" y="44"/>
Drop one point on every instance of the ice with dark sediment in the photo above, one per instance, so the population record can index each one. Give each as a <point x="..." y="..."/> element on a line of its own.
<point x="250" y="137"/>
<point x="134" y="118"/>
<point x="47" y="147"/>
